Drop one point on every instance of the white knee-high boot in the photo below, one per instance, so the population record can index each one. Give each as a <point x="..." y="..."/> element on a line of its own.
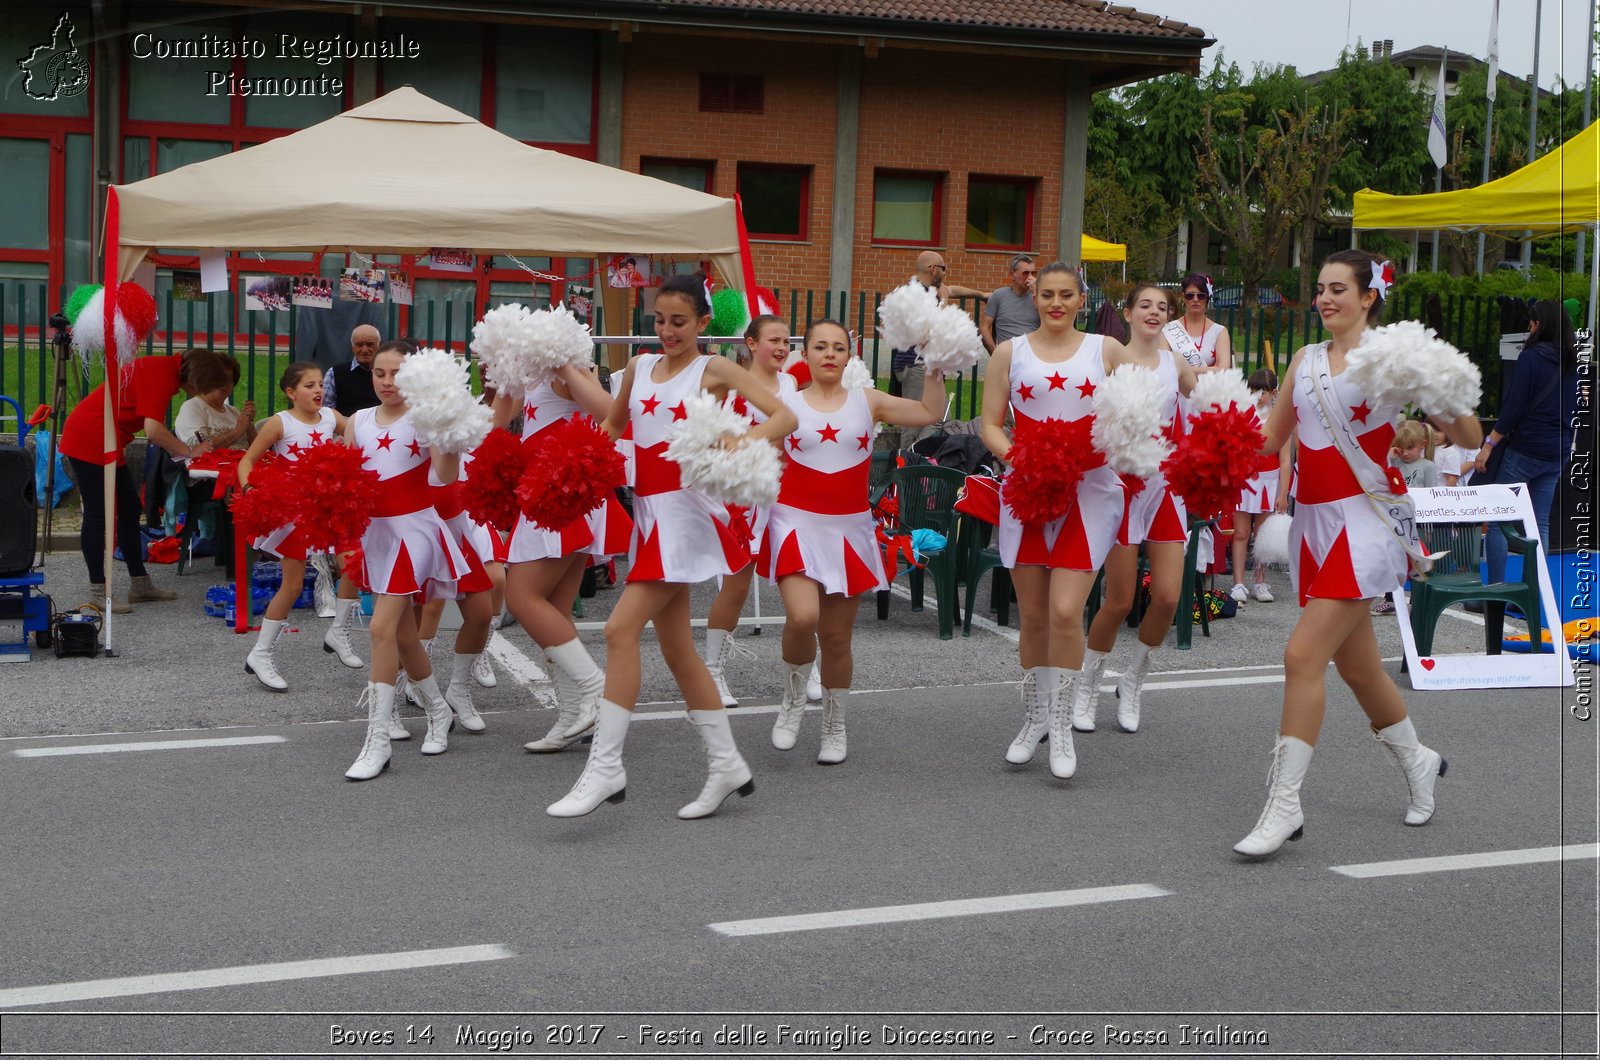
<point x="1038" y="683"/>
<point x="1063" y="755"/>
<point x="718" y="641"/>
<point x="259" y="661"/>
<point x="336" y="641"/>
<point x="726" y="770"/>
<point x="572" y="658"/>
<point x="441" y="719"/>
<point x="458" y="693"/>
<point x="1086" y="693"/>
<point x="1421" y="765"/>
<point x="1281" y="819"/>
<point x="786" y="729"/>
<point x="1131" y="684"/>
<point x="603" y="778"/>
<point x="374" y="757"/>
<point x="567" y="696"/>
<point x="834" y="745"/>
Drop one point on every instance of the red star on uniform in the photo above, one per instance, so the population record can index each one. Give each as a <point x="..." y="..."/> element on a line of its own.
<point x="678" y="412"/>
<point x="1025" y="392"/>
<point x="416" y="449"/>
<point x="865" y="441"/>
<point x="829" y="433"/>
<point x="386" y="441"/>
<point x="316" y="437"/>
<point x="294" y="448"/>
<point x="1086" y="388"/>
<point x="650" y="404"/>
<point x="794" y="442"/>
<point x="1360" y="412"/>
<point x="531" y="411"/>
<point x="1056" y="381"/>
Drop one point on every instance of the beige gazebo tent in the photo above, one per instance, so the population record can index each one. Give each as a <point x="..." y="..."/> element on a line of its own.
<point x="403" y="174"/>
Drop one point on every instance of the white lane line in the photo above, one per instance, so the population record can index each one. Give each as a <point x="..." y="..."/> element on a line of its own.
<point x="210" y="978"/>
<point x="896" y="914"/>
<point x="1210" y="682"/>
<point x="522" y="669"/>
<point x="979" y="621"/>
<point x="149" y="745"/>
<point x="1488" y="859"/>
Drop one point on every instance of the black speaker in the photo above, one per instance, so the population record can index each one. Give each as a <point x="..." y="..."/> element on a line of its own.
<point x="19" y="511"/>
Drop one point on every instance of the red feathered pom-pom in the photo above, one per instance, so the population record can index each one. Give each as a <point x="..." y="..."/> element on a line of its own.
<point x="136" y="306"/>
<point x="264" y="507"/>
<point x="1214" y="459"/>
<point x="572" y="467"/>
<point x="334" y="496"/>
<point x="490" y="491"/>
<point x="1047" y="460"/>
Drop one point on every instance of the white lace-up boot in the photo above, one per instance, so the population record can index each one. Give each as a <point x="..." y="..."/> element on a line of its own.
<point x="1131" y="684"/>
<point x="402" y="695"/>
<point x="1281" y="819"/>
<point x="441" y="719"/>
<point x="374" y="757"/>
<point x="337" y="640"/>
<point x="726" y="770"/>
<point x="833" y="737"/>
<point x="720" y="648"/>
<point x="483" y="670"/>
<point x="786" y="729"/>
<point x="1063" y="755"/>
<point x="1086" y="692"/>
<point x="458" y="694"/>
<point x="567" y="696"/>
<point x="814" y="682"/>
<point x="1037" y="684"/>
<point x="573" y="660"/>
<point x="1421" y="765"/>
<point x="259" y="661"/>
<point x="603" y="778"/>
<point x="322" y="596"/>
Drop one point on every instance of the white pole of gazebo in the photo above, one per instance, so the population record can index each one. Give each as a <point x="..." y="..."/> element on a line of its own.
<point x="1594" y="282"/>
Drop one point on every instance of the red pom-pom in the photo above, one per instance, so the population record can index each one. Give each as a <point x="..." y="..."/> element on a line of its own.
<point x="136" y="306"/>
<point x="1047" y="459"/>
<point x="264" y="507"/>
<point x="801" y="372"/>
<point x="1214" y="459"/>
<point x="572" y="467"/>
<point x="333" y="498"/>
<point x="490" y="491"/>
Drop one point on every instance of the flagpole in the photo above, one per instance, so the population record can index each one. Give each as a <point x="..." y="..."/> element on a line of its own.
<point x="1438" y="145"/>
<point x="1533" y="114"/>
<point x="1588" y="87"/>
<point x="1488" y="122"/>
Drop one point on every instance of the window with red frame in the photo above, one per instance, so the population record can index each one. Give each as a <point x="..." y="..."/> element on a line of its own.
<point x="688" y="173"/>
<point x="906" y="207"/>
<point x="1000" y="213"/>
<point x="777" y="201"/>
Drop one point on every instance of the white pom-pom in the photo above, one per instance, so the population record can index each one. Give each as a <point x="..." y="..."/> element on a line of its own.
<point x="1218" y="390"/>
<point x="499" y="341"/>
<point x="1127" y="421"/>
<point x="905" y="316"/>
<point x="1272" y="540"/>
<point x="1406" y="362"/>
<point x="445" y="413"/>
<point x="558" y="339"/>
<point x="953" y="345"/>
<point x="746" y="475"/>
<point x="89" y="330"/>
<point x="856" y="376"/>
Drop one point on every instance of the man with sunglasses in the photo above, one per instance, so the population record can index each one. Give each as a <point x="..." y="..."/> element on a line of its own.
<point x="1010" y="311"/>
<point x="905" y="365"/>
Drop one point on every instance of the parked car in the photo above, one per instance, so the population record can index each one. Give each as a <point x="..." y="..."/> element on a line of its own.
<point x="1231" y="296"/>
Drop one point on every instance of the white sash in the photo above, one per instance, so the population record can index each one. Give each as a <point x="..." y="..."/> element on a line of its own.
<point x="1398" y="511"/>
<point x="1183" y="343"/>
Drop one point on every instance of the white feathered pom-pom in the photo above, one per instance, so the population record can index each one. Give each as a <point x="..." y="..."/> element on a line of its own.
<point x="1127" y="421"/>
<point x="953" y="345"/>
<point x="856" y="376"/>
<point x="88" y="331"/>
<point x="500" y="341"/>
<point x="445" y="413"/>
<point x="746" y="475"/>
<point x="1272" y="540"/>
<point x="558" y="339"/>
<point x="905" y="316"/>
<point x="1407" y="362"/>
<point x="1218" y="390"/>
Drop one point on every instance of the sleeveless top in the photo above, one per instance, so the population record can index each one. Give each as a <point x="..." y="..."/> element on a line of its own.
<point x="1321" y="472"/>
<point x="829" y="457"/>
<point x="652" y="410"/>
<point x="401" y="460"/>
<point x="542" y="406"/>
<point x="299" y="436"/>
<point x="1064" y="390"/>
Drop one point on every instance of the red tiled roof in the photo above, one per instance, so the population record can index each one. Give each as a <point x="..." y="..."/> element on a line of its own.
<point x="1051" y="16"/>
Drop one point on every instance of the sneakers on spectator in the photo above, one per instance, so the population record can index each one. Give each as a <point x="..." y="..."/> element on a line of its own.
<point x="1263" y="593"/>
<point x="1383" y="607"/>
<point x="1239" y="593"/>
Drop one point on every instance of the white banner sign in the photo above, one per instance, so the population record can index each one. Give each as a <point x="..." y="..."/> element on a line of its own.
<point x="1488" y="504"/>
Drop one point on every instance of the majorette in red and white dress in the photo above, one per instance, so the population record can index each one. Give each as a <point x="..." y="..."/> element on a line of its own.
<point x="679" y="534"/>
<point x="603" y="532"/>
<point x="1044" y="390"/>
<point x="407" y="547"/>
<point x="756" y="517"/>
<point x="1155" y="513"/>
<point x="1340" y="548"/>
<point x="822" y="525"/>
<point x="284" y="542"/>
<point x="1260" y="491"/>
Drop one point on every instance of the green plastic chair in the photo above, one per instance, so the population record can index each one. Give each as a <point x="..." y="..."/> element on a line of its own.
<point x="927" y="495"/>
<point x="1460" y="580"/>
<point x="1193" y="587"/>
<point x="979" y="557"/>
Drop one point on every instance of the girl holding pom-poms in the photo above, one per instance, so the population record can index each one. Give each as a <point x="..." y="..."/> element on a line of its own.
<point x="681" y="536"/>
<point x="821" y="547"/>
<point x="305" y="423"/>
<point x="1051" y="376"/>
<point x="1155" y="518"/>
<point x="1353" y="537"/>
<point x="410" y="557"/>
<point x="545" y="567"/>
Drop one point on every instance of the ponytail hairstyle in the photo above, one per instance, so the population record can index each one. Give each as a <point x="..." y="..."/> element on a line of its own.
<point x="1372" y="274"/>
<point x="753" y="332"/>
<point x="1060" y="266"/>
<point x="1140" y="288"/>
<point x="295" y="372"/>
<point x="1262" y="380"/>
<point x="691" y="287"/>
<point x="404" y="347"/>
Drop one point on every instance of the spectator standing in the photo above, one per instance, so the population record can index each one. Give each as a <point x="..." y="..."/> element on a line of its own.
<point x="906" y="365"/>
<point x="1010" y="311"/>
<point x="347" y="388"/>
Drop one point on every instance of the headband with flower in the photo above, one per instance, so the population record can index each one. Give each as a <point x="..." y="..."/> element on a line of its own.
<point x="1382" y="279"/>
<point x="1211" y="288"/>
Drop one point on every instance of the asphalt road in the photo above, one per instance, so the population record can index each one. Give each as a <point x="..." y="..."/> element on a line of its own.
<point x="262" y="904"/>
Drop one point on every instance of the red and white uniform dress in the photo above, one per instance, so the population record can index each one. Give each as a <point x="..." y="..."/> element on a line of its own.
<point x="1155" y="513"/>
<point x="284" y="542"/>
<point x="1260" y="492"/>
<point x="407" y="547"/>
<point x="679" y="534"/>
<point x="756" y="517"/>
<point x="603" y="532"/>
<point x="1339" y="547"/>
<point x="1042" y="390"/>
<point x="822" y="525"/>
<point x="476" y="541"/>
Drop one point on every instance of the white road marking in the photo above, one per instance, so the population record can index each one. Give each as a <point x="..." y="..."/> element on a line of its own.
<point x="57" y="993"/>
<point x="522" y="669"/>
<point x="150" y="745"/>
<point x="896" y="914"/>
<point x="1453" y="862"/>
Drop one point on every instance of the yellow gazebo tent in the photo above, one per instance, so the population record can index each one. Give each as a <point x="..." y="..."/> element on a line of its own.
<point x="1099" y="250"/>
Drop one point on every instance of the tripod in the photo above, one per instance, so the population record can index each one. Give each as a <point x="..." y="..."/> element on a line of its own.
<point x="62" y="341"/>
